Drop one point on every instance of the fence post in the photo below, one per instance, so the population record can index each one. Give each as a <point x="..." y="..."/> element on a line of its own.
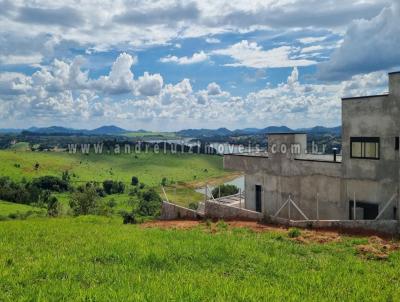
<point x="240" y="198"/>
<point x="354" y="206"/>
<point x="290" y="201"/>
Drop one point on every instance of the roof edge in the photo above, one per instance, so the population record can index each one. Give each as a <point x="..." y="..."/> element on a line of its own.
<point x="366" y="96"/>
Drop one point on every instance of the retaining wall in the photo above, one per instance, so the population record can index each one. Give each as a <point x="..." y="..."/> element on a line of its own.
<point x="391" y="227"/>
<point x="172" y="211"/>
<point x="216" y="210"/>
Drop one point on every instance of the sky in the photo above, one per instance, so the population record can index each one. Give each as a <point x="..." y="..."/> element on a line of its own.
<point x="171" y="65"/>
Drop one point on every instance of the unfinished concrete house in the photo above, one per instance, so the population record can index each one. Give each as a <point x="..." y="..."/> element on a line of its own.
<point x="289" y="183"/>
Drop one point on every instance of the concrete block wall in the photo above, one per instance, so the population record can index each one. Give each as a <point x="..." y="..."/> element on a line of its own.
<point x="171" y="211"/>
<point x="391" y="227"/>
<point x="216" y="210"/>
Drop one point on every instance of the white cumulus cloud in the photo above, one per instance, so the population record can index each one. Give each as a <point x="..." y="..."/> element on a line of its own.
<point x="250" y="54"/>
<point x="195" y="58"/>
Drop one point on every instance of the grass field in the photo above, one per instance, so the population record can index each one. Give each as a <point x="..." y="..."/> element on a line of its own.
<point x="7" y="208"/>
<point x="149" y="167"/>
<point x="185" y="171"/>
<point x="99" y="259"/>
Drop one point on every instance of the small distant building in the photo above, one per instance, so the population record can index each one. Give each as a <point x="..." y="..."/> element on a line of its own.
<point x="326" y="187"/>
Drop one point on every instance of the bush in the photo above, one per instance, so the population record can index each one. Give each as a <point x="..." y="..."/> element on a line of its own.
<point x="294" y="233"/>
<point x="113" y="187"/>
<point x="224" y="190"/>
<point x="193" y="205"/>
<point x="51" y="183"/>
<point x="111" y="203"/>
<point x="128" y="218"/>
<point x="149" y="203"/>
<point x="134" y="181"/>
<point x="84" y="202"/>
<point x="164" y="181"/>
<point x="23" y="193"/>
<point x="53" y="207"/>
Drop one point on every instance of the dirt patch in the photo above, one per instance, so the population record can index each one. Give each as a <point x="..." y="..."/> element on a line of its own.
<point x="377" y="248"/>
<point x="321" y="237"/>
<point x="171" y="224"/>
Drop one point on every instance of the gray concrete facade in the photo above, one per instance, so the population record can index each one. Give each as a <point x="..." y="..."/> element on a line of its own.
<point x="322" y="188"/>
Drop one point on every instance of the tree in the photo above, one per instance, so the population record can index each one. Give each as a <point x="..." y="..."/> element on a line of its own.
<point x="135" y="181"/>
<point x="84" y="202"/>
<point x="225" y="190"/>
<point x="149" y="203"/>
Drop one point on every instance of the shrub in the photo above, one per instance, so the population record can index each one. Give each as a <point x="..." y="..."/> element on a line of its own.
<point x="225" y="190"/>
<point x="111" y="203"/>
<point x="134" y="181"/>
<point x="84" y="202"/>
<point x="23" y="193"/>
<point x="164" y="181"/>
<point x="294" y="233"/>
<point x="128" y="218"/>
<point x="53" y="207"/>
<point x="51" y="183"/>
<point x="193" y="205"/>
<point x="65" y="176"/>
<point x="113" y="187"/>
<point x="149" y="203"/>
<point x="13" y="215"/>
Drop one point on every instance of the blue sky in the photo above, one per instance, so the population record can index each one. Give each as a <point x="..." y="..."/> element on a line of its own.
<point x="169" y="65"/>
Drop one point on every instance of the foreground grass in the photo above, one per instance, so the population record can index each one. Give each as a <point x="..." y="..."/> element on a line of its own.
<point x="99" y="259"/>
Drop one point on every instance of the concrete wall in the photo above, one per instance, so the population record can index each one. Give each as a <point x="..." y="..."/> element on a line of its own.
<point x="372" y="181"/>
<point x="216" y="210"/>
<point x="171" y="211"/>
<point x="391" y="227"/>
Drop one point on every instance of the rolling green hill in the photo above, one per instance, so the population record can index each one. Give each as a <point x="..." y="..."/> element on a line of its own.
<point x="184" y="172"/>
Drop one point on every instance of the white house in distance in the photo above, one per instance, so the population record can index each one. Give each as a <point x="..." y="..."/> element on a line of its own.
<point x="324" y="187"/>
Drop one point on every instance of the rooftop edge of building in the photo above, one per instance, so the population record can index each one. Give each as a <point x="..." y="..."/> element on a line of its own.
<point x="365" y="96"/>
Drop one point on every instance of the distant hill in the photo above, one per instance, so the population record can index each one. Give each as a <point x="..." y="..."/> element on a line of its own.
<point x="108" y="130"/>
<point x="320" y="130"/>
<point x="194" y="133"/>
<point x="204" y="132"/>
<point x="198" y="133"/>
<point x="53" y="130"/>
<point x="10" y="130"/>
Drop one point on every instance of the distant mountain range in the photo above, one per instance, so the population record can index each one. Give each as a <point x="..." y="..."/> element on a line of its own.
<point x="196" y="133"/>
<point x="104" y="130"/>
<point x="256" y="131"/>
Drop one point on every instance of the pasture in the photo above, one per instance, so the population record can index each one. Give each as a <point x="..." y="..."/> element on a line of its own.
<point x="99" y="259"/>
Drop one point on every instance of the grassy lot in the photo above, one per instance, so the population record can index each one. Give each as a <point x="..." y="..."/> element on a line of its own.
<point x="99" y="259"/>
<point x="7" y="208"/>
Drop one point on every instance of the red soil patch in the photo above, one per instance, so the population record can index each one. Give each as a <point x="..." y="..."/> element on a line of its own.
<point x="171" y="224"/>
<point x="377" y="248"/>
